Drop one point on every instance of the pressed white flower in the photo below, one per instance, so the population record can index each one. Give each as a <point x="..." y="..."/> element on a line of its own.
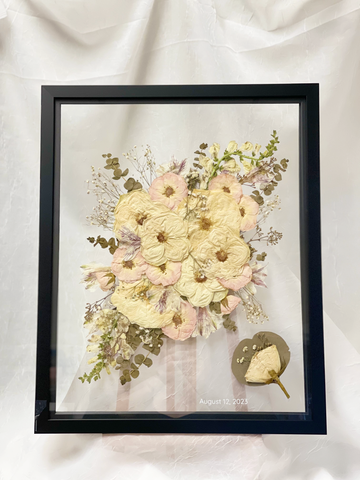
<point x="247" y="147"/>
<point x="223" y="254"/>
<point x="208" y="209"/>
<point x="214" y="150"/>
<point x="197" y="287"/>
<point x="139" y="305"/>
<point x="232" y="147"/>
<point x="257" y="148"/>
<point x="164" y="238"/>
<point x="248" y="167"/>
<point x="133" y="209"/>
<point x="262" y="363"/>
<point x="231" y="166"/>
<point x="207" y="163"/>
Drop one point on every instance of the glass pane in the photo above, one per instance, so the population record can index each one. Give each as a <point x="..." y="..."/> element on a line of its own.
<point x="193" y="375"/>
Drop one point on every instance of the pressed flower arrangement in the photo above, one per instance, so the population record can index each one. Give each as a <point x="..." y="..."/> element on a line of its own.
<point x="182" y="254"/>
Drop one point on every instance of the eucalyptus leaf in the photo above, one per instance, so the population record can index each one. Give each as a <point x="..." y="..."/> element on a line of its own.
<point x="148" y="362"/>
<point x="139" y="359"/>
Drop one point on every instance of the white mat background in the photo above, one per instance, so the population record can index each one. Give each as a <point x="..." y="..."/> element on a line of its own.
<point x="161" y="42"/>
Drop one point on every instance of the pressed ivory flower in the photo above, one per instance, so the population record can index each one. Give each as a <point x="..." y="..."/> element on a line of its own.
<point x="206" y="210"/>
<point x="180" y="168"/>
<point x="232" y="147"/>
<point x="168" y="189"/>
<point x="248" y="210"/>
<point x="165" y="238"/>
<point x="247" y="166"/>
<point x="214" y="150"/>
<point x="197" y="287"/>
<point x="231" y="166"/>
<point x="262" y="363"/>
<point x="166" y="274"/>
<point x="247" y="147"/>
<point x="244" y="278"/>
<point x="223" y="254"/>
<point x="228" y="184"/>
<point x="96" y="274"/>
<point x="128" y="270"/>
<point x="133" y="209"/>
<point x="257" y="278"/>
<point x="138" y="304"/>
<point x="207" y="322"/>
<point x="183" y="323"/>
<point x="229" y="304"/>
<point x="206" y="162"/>
<point x="257" y="148"/>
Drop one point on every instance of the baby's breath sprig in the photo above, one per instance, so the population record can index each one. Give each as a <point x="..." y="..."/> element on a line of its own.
<point x="107" y="193"/>
<point x="271" y="238"/>
<point x="143" y="163"/>
<point x="253" y="308"/>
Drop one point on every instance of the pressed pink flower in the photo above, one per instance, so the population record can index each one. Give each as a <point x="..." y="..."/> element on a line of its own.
<point x="183" y="323"/>
<point x="231" y="303"/>
<point x="168" y="189"/>
<point x="248" y="210"/>
<point x="227" y="183"/>
<point x="237" y="282"/>
<point x="166" y="274"/>
<point x="106" y="280"/>
<point x="128" y="270"/>
<point x="97" y="275"/>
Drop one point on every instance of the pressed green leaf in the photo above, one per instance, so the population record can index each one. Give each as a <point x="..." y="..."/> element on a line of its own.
<point x="135" y="373"/>
<point x="148" y="362"/>
<point x="139" y="359"/>
<point x="129" y="184"/>
<point x="137" y="186"/>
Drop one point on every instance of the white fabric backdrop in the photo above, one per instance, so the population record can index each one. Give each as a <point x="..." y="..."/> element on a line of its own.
<point x="160" y="42"/>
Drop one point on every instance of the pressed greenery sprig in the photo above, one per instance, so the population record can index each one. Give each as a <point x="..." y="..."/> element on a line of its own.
<point x="150" y="340"/>
<point x="112" y="243"/>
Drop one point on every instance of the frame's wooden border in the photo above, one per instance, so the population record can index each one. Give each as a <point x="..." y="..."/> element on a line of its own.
<point x="313" y="421"/>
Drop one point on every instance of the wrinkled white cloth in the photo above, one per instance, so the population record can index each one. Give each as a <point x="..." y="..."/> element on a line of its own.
<point x="169" y="42"/>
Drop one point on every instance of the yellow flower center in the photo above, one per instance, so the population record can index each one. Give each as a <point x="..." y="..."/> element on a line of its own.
<point x="169" y="191"/>
<point x="205" y="223"/>
<point x="242" y="212"/>
<point x="177" y="320"/>
<point x="221" y="255"/>
<point x="128" y="264"/>
<point x="162" y="237"/>
<point x="200" y="277"/>
<point x="141" y="217"/>
<point x="226" y="189"/>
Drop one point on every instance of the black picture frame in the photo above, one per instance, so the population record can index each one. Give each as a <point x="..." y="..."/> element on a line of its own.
<point x="313" y="420"/>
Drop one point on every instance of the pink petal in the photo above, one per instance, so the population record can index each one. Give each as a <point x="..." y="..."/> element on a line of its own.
<point x="249" y="205"/>
<point x="170" y="276"/>
<point x="233" y="302"/>
<point x="176" y="182"/>
<point x="248" y="223"/>
<point x="229" y="181"/>
<point x="186" y="328"/>
<point x="238" y="282"/>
